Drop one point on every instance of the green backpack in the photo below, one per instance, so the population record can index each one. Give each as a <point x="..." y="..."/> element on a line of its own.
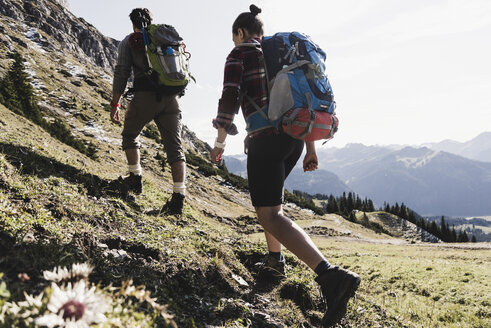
<point x="168" y="60"/>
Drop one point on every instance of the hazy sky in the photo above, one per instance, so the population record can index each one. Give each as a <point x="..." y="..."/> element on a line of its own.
<point x="405" y="72"/>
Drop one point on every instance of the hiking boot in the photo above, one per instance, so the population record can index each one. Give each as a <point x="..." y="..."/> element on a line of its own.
<point x="174" y="205"/>
<point x="338" y="286"/>
<point x="129" y="183"/>
<point x="270" y="269"/>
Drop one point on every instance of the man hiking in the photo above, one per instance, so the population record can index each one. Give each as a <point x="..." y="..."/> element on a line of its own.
<point x="149" y="103"/>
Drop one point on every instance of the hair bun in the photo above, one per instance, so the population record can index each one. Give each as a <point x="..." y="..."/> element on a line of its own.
<point x="254" y="9"/>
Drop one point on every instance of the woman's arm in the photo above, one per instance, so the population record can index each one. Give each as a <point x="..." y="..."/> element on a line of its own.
<point x="219" y="147"/>
<point x="228" y="105"/>
<point x="310" y="161"/>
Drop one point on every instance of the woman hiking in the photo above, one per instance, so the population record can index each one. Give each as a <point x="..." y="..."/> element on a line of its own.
<point x="271" y="156"/>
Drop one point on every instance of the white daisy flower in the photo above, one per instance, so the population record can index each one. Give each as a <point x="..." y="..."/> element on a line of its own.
<point x="58" y="274"/>
<point x="74" y="307"/>
<point x="81" y="270"/>
<point x="36" y="301"/>
<point x="78" y="271"/>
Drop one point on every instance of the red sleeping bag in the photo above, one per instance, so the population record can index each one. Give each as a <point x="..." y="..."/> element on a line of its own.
<point x="309" y="125"/>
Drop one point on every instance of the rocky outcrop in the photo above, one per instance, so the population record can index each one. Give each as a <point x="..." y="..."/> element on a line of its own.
<point x="401" y="228"/>
<point x="73" y="34"/>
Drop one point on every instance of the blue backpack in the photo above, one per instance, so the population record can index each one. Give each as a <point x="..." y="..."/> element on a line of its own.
<point x="296" y="79"/>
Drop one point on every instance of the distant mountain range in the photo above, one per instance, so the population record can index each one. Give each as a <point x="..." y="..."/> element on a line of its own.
<point x="478" y="149"/>
<point x="432" y="181"/>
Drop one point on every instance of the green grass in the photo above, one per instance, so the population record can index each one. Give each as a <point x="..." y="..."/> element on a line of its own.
<point x="420" y="285"/>
<point x="402" y="286"/>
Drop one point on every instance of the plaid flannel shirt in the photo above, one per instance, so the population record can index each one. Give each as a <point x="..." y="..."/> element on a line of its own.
<point x="244" y="74"/>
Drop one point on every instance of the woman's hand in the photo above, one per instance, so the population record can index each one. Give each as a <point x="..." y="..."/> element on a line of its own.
<point x="216" y="155"/>
<point x="310" y="162"/>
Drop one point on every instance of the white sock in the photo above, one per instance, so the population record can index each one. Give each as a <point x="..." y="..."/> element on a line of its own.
<point x="135" y="169"/>
<point x="180" y="187"/>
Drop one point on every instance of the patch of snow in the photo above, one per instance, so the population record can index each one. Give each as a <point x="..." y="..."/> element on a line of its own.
<point x="107" y="78"/>
<point x="75" y="69"/>
<point x="415" y="162"/>
<point x="36" y="38"/>
<point x="32" y="34"/>
<point x="37" y="84"/>
<point x="97" y="131"/>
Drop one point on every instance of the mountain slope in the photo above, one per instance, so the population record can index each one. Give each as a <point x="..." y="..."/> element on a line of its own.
<point x="56" y="209"/>
<point x="429" y="182"/>
<point x="47" y="26"/>
<point x="346" y="162"/>
<point x="319" y="181"/>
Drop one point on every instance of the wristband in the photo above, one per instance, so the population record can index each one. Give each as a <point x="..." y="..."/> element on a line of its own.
<point x="113" y="105"/>
<point x="220" y="145"/>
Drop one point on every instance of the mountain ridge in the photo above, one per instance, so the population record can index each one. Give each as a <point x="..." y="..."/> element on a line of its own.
<point x="73" y="35"/>
<point x="429" y="181"/>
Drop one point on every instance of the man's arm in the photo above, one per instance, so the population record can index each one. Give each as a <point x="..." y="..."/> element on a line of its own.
<point x="122" y="72"/>
<point x="115" y="108"/>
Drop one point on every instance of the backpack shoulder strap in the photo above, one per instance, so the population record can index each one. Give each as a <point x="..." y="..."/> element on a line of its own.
<point x="256" y="106"/>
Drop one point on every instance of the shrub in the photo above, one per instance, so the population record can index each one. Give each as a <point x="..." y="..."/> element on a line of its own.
<point x="65" y="73"/>
<point x="151" y="131"/>
<point x="300" y="200"/>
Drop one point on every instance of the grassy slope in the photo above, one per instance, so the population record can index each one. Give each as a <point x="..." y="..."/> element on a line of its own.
<point x="54" y="211"/>
<point x="51" y="203"/>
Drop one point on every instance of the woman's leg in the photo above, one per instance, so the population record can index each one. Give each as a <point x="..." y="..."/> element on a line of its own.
<point x="273" y="244"/>
<point x="288" y="233"/>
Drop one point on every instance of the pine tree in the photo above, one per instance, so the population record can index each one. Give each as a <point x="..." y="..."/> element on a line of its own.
<point x="332" y="205"/>
<point x="371" y="207"/>
<point x="342" y="204"/>
<point x="474" y="240"/>
<point x="462" y="238"/>
<point x="454" y="235"/>
<point x="444" y="228"/>
<point x="358" y="202"/>
<point x="365" y="220"/>
<point x="352" y="217"/>
<point x="396" y="210"/>
<point x="350" y="205"/>
<point x="8" y="95"/>
<point x="434" y="229"/>
<point x="18" y="93"/>
<point x="387" y="208"/>
<point x="403" y="211"/>
<point x="411" y="217"/>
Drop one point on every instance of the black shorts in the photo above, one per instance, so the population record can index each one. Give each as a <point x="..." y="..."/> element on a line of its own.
<point x="269" y="161"/>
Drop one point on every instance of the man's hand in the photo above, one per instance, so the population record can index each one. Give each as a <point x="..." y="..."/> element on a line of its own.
<point x="216" y="155"/>
<point x="310" y="162"/>
<point x="115" y="114"/>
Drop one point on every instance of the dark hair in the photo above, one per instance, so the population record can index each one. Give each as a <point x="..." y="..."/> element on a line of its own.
<point x="249" y="22"/>
<point x="141" y="17"/>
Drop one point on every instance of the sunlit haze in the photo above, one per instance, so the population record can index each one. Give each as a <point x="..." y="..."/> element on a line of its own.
<point x="405" y="72"/>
